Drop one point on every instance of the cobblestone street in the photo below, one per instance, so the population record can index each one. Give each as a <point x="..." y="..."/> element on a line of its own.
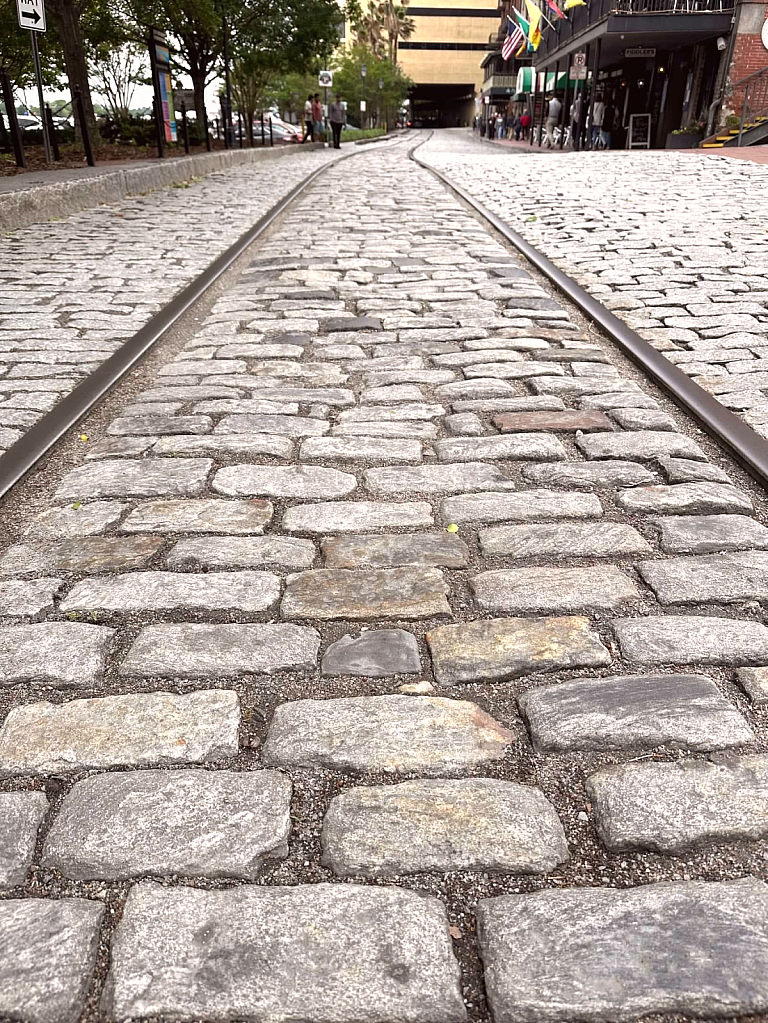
<point x="397" y="653"/>
<point x="676" y="245"/>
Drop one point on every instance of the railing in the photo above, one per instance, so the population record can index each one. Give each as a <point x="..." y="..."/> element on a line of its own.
<point x="581" y="18"/>
<point x="755" y="106"/>
<point x="500" y="82"/>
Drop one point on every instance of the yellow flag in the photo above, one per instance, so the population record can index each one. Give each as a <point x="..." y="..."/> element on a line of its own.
<point x="573" y="3"/>
<point x="534" y="17"/>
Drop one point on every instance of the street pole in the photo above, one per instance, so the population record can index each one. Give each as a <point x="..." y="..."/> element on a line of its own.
<point x="228" y="127"/>
<point x="364" y="109"/>
<point x="378" y="114"/>
<point x="41" y="100"/>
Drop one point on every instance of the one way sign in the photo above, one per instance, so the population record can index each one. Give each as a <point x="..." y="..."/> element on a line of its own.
<point x="31" y="14"/>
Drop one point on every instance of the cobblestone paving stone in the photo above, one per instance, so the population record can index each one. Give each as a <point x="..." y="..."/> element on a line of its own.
<point x="294" y="730"/>
<point x="629" y="228"/>
<point x="74" y="290"/>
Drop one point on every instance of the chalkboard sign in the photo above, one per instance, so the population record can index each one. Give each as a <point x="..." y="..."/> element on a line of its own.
<point x="639" y="134"/>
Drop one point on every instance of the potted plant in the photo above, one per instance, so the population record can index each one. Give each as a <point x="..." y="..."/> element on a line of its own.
<point x="687" y="137"/>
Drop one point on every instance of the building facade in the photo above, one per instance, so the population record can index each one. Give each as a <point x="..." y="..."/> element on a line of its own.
<point x="444" y="57"/>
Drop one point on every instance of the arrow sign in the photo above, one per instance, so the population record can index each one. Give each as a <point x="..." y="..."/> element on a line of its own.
<point x="31" y="14"/>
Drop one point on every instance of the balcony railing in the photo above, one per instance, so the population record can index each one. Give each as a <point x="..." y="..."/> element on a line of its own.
<point x="500" y="82"/>
<point x="581" y="18"/>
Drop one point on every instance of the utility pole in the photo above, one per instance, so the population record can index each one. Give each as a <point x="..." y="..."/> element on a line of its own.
<point x="363" y="73"/>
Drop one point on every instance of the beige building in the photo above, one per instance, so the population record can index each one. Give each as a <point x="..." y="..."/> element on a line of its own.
<point x="443" y="57"/>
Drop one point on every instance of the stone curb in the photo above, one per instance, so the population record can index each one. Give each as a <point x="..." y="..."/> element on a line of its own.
<point x="36" y="205"/>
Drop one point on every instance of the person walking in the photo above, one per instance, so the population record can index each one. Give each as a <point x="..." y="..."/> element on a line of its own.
<point x="598" y="116"/>
<point x="576" y="121"/>
<point x="337" y="115"/>
<point x="525" y="124"/>
<point x="317" y="116"/>
<point x="309" y="121"/>
<point x="553" y="119"/>
<point x="610" y="121"/>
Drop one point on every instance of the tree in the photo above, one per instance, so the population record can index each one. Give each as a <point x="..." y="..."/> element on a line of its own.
<point x="349" y="81"/>
<point x="16" y="51"/>
<point x="289" y="92"/>
<point x="116" y="74"/>
<point x="399" y="25"/>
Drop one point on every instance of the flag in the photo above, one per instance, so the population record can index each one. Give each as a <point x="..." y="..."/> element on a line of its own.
<point x="534" y="32"/>
<point x="573" y="3"/>
<point x="553" y="6"/>
<point x="522" y="22"/>
<point x="514" y="38"/>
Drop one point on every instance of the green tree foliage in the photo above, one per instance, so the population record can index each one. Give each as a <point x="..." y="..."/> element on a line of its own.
<point x="380" y="25"/>
<point x="348" y="81"/>
<point x="16" y="51"/>
<point x="289" y="92"/>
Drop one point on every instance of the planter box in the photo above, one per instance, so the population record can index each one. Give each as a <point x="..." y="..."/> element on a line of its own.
<point x="686" y="141"/>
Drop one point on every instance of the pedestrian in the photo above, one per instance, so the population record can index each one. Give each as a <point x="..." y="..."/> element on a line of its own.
<point x="337" y="115"/>
<point x="309" y="121"/>
<point x="518" y="127"/>
<point x="553" y="119"/>
<point x="610" y="121"/>
<point x="598" y="116"/>
<point x="525" y="124"/>
<point x="317" y="116"/>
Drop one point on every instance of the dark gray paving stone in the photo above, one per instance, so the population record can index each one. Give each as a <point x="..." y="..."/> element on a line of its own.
<point x="462" y="477"/>
<point x="704" y="534"/>
<point x="305" y="481"/>
<point x="158" y="425"/>
<point x="515" y="447"/>
<point x="639" y="445"/>
<point x="505" y="648"/>
<point x="553" y="589"/>
<point x="563" y="540"/>
<point x="413" y="412"/>
<point x="754" y="682"/>
<point x="85" y="554"/>
<point x="632" y="712"/>
<point x="338" y="397"/>
<point x="342" y="953"/>
<point x="338" y="324"/>
<point x="616" y="399"/>
<point x="531" y="506"/>
<point x="672" y="808"/>
<point x="695" y="948"/>
<point x="47" y="957"/>
<point x="686" y="470"/>
<point x="384" y="733"/>
<point x="26" y="597"/>
<point x="464" y="424"/>
<point x="465" y="389"/>
<point x="241" y="552"/>
<point x="643" y="419"/>
<point x="577" y="387"/>
<point x="135" y="592"/>
<point x="524" y="403"/>
<point x="723" y="578"/>
<point x="692" y="639"/>
<point x="355" y="516"/>
<point x="442" y="825"/>
<point x="588" y="475"/>
<point x="685" y="499"/>
<point x="204" y="515"/>
<point x="121" y="447"/>
<point x="120" y="731"/>
<point x="148" y="477"/>
<point x="408" y="592"/>
<point x="360" y="449"/>
<point x="192" y="823"/>
<point x="21" y="814"/>
<point x="391" y="551"/>
<point x="285" y="426"/>
<point x="219" y="651"/>
<point x="76" y="520"/>
<point x="232" y="445"/>
<point x="374" y="654"/>
<point x="250" y="406"/>
<point x="66" y="654"/>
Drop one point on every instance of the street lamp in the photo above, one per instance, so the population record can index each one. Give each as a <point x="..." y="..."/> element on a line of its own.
<point x="378" y="112"/>
<point x="363" y="73"/>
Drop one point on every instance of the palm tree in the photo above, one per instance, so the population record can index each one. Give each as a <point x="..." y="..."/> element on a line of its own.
<point x="370" y="29"/>
<point x="399" y="25"/>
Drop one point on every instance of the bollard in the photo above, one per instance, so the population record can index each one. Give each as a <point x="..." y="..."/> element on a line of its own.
<point x="184" y="129"/>
<point x="239" y="129"/>
<point x="206" y="130"/>
<point x="263" y="143"/>
<point x="52" y="134"/>
<point x="84" y="129"/>
<point x="271" y="140"/>
<point x="13" y="121"/>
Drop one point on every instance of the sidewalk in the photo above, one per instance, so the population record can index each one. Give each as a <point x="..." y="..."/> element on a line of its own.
<point x="757" y="154"/>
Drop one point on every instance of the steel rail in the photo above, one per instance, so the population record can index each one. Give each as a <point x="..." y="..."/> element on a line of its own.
<point x="741" y="441"/>
<point x="26" y="452"/>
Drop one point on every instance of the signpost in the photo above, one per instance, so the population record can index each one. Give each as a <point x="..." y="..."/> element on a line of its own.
<point x="325" y="79"/>
<point x="160" y="62"/>
<point x="32" y="17"/>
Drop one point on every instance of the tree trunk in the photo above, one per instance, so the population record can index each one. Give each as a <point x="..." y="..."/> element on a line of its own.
<point x="198" y="84"/>
<point x="66" y="15"/>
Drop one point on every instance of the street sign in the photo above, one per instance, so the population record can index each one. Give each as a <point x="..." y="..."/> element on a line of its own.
<point x="578" y="73"/>
<point x="184" y="98"/>
<point x="31" y="14"/>
<point x="362" y="106"/>
<point x="325" y="78"/>
<point x="580" y="59"/>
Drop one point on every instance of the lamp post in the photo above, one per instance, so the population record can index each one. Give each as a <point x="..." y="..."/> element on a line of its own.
<point x="363" y="73"/>
<point x="378" y="115"/>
